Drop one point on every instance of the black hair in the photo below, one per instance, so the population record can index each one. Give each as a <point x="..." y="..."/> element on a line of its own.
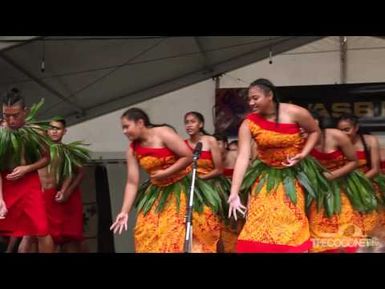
<point x="221" y="137"/>
<point x="137" y="114"/>
<point x="321" y="124"/>
<point x="320" y="119"/>
<point x="268" y="87"/>
<point x="355" y="121"/>
<point x="61" y="120"/>
<point x="13" y="97"/>
<point x="200" y="117"/>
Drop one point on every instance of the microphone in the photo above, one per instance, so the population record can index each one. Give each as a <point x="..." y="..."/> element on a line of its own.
<point x="197" y="151"/>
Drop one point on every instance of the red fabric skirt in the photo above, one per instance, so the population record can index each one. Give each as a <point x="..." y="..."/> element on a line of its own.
<point x="54" y="214"/>
<point x="72" y="218"/>
<point x="258" y="247"/>
<point x="26" y="210"/>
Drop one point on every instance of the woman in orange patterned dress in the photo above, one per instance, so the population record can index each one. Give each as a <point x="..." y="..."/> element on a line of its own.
<point x="379" y="234"/>
<point x="339" y="232"/>
<point x="230" y="232"/>
<point x="207" y="225"/>
<point x="368" y="153"/>
<point x="276" y="220"/>
<point x="161" y="202"/>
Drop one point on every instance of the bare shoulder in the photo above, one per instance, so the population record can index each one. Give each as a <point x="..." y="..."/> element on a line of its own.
<point x="337" y="135"/>
<point x="244" y="124"/>
<point x="293" y="108"/>
<point x="294" y="113"/>
<point x="209" y="138"/>
<point x="163" y="130"/>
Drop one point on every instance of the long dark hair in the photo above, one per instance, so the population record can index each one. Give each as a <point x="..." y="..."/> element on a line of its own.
<point x="221" y="137"/>
<point x="268" y="87"/>
<point x="200" y="117"/>
<point x="355" y="121"/>
<point x="137" y="114"/>
<point x="322" y="126"/>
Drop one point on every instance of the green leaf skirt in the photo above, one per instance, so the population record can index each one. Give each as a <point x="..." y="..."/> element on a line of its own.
<point x="212" y="193"/>
<point x="309" y="174"/>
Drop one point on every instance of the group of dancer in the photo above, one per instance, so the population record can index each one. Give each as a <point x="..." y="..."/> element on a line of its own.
<point x="288" y="184"/>
<point x="291" y="185"/>
<point x="40" y="202"/>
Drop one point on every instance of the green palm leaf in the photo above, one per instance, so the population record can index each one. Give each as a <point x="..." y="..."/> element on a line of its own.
<point x="288" y="183"/>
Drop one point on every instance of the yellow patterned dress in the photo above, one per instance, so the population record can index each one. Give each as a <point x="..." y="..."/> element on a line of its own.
<point x="206" y="225"/>
<point x="274" y="223"/>
<point x="164" y="231"/>
<point x="369" y="221"/>
<point x="381" y="221"/>
<point x="340" y="232"/>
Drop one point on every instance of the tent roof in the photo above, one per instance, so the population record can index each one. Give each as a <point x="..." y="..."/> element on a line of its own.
<point x="86" y="77"/>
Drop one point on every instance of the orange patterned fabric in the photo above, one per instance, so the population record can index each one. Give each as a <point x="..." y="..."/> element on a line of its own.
<point x="204" y="166"/>
<point x="274" y="223"/>
<point x="369" y="221"/>
<point x="206" y="231"/>
<point x="162" y="232"/>
<point x="207" y="225"/>
<point x="375" y="220"/>
<point x="154" y="159"/>
<point x="165" y="231"/>
<point x="381" y="220"/>
<point x="275" y="142"/>
<point x="343" y="230"/>
<point x="205" y="162"/>
<point x="362" y="162"/>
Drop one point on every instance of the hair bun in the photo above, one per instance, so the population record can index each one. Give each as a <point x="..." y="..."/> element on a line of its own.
<point x="15" y="90"/>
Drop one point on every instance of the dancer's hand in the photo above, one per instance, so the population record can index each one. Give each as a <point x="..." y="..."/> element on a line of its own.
<point x="17" y="173"/>
<point x="235" y="206"/>
<point x="329" y="176"/>
<point x="120" y="223"/>
<point x="61" y="197"/>
<point x="158" y="175"/>
<point x="291" y="161"/>
<point x="3" y="209"/>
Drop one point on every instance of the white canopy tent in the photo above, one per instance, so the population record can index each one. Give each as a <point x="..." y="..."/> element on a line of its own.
<point x="85" y="77"/>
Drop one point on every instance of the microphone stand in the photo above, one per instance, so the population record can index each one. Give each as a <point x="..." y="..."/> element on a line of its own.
<point x="189" y="213"/>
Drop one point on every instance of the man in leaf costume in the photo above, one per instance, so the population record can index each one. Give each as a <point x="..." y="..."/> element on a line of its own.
<point x="22" y="152"/>
<point x="60" y="182"/>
